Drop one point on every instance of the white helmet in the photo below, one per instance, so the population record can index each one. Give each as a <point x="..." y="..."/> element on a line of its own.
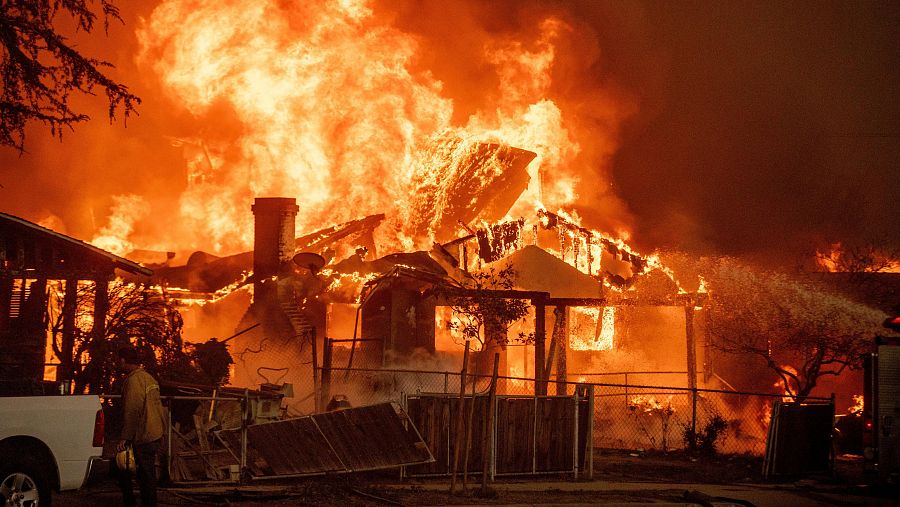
<point x="125" y="460"/>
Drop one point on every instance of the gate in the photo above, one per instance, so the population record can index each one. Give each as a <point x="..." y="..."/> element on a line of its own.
<point x="529" y="434"/>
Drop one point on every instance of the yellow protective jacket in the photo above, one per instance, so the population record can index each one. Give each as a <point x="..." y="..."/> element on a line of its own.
<point x="144" y="417"/>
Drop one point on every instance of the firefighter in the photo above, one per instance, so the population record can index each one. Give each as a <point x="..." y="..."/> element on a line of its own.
<point x="143" y="428"/>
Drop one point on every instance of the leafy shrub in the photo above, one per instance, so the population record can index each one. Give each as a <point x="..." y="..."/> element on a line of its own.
<point x="711" y="435"/>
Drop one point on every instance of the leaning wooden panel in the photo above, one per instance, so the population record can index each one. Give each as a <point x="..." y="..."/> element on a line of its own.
<point x="292" y="447"/>
<point x="373" y="437"/>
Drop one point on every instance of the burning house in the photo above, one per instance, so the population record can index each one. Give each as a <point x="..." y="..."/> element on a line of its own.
<point x="326" y="299"/>
<point x="407" y="199"/>
<point x="35" y="263"/>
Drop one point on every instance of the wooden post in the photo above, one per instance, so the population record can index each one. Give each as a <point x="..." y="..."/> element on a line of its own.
<point x="101" y="307"/>
<point x="245" y="420"/>
<point x="575" y="436"/>
<point x="693" y="443"/>
<point x="317" y="393"/>
<point x="691" y="367"/>
<point x="67" y="359"/>
<point x="709" y="367"/>
<point x="589" y="439"/>
<point x="540" y="335"/>
<point x="561" y="331"/>
<point x="487" y="451"/>
<point x="6" y="287"/>
<point x="37" y="339"/>
<point x="465" y="472"/>
<point x="326" y="371"/>
<point x="691" y="346"/>
<point x="459" y="416"/>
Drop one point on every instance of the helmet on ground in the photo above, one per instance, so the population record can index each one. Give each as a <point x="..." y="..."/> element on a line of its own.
<point x="125" y="460"/>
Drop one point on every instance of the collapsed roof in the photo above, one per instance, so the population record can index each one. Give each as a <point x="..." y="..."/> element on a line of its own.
<point x="535" y="269"/>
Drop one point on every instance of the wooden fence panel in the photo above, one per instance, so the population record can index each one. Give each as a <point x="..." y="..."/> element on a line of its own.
<point x="554" y="433"/>
<point x="432" y="417"/>
<point x="533" y="435"/>
<point x="515" y="435"/>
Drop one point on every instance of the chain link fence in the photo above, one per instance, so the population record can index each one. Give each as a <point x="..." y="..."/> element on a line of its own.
<point x="633" y="410"/>
<point x="626" y="416"/>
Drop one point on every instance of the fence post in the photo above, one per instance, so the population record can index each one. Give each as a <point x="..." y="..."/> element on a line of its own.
<point x="446" y="382"/>
<point x="315" y="360"/>
<point x="465" y="473"/>
<point x="626" y="389"/>
<point x="693" y="442"/>
<point x="540" y="335"/>
<point x="325" y="374"/>
<point x="487" y="450"/>
<point x="459" y="415"/>
<point x="245" y="410"/>
<point x="575" y="438"/>
<point x="534" y="428"/>
<point x="169" y="440"/>
<point x="590" y="432"/>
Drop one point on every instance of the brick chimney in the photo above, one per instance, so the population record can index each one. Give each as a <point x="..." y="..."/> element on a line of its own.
<point x="273" y="237"/>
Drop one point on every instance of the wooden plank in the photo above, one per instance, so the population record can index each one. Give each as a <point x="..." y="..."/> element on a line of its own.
<point x="293" y="446"/>
<point x="554" y="434"/>
<point x="515" y="424"/>
<point x="369" y="438"/>
<point x="431" y="415"/>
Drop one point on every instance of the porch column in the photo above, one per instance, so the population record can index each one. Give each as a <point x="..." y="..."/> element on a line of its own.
<point x="101" y="307"/>
<point x="540" y="336"/>
<point x="691" y="346"/>
<point x="67" y="348"/>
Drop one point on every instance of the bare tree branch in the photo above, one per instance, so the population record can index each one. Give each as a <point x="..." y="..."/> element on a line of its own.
<point x="40" y="69"/>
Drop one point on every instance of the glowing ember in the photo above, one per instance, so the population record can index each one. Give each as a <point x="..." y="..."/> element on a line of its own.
<point x="858" y="404"/>
<point x="650" y="405"/>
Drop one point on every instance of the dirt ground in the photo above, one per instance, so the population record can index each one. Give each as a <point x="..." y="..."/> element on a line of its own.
<point x="620" y="477"/>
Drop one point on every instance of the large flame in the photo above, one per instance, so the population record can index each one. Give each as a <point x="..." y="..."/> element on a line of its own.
<point x="592" y="328"/>
<point x="320" y="100"/>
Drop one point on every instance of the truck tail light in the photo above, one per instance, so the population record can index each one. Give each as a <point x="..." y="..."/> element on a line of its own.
<point x="98" y="429"/>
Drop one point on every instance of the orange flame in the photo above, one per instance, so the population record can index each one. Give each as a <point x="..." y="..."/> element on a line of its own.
<point x="592" y="329"/>
<point x="858" y="404"/>
<point x="326" y="107"/>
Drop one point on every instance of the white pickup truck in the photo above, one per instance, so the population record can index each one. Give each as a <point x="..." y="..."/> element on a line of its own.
<point x="47" y="443"/>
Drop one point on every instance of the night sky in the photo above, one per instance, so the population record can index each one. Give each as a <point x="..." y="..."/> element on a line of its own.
<point x="759" y="129"/>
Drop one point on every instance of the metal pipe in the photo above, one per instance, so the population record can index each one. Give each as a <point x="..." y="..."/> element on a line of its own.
<point x="590" y="432"/>
<point x="534" y="436"/>
<point x="245" y="409"/>
<point x="235" y="335"/>
<point x="575" y="439"/>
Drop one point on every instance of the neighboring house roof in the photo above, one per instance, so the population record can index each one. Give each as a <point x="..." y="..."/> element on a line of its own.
<point x="12" y="226"/>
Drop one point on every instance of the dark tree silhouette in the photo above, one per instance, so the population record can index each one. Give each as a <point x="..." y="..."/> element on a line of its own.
<point x="137" y="316"/>
<point x="40" y="69"/>
<point x="801" y="332"/>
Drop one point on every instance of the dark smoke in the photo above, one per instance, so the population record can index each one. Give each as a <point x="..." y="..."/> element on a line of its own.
<point x="758" y="129"/>
<point x="763" y="129"/>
